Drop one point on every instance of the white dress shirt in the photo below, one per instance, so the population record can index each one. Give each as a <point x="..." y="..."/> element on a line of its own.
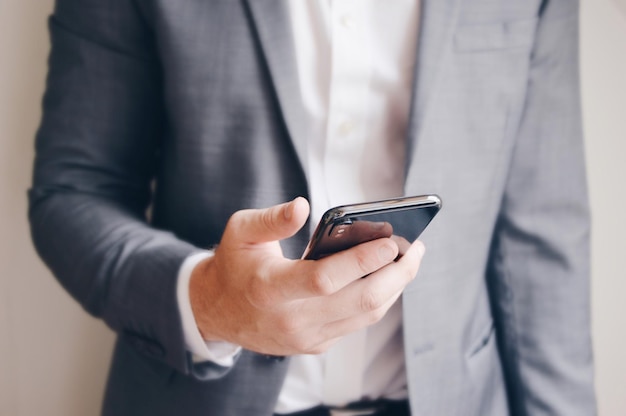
<point x="355" y="62"/>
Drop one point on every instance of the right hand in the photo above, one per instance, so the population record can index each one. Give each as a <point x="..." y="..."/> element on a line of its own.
<point x="249" y="294"/>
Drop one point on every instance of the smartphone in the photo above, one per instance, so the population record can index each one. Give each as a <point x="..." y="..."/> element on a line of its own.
<point x="345" y="226"/>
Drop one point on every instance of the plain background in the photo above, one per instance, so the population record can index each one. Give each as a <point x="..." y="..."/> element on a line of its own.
<point x="54" y="358"/>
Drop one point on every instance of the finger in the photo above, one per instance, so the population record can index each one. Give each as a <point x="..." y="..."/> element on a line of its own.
<point x="403" y="244"/>
<point x="311" y="278"/>
<point x="270" y="224"/>
<point x="355" y="323"/>
<point x="366" y="296"/>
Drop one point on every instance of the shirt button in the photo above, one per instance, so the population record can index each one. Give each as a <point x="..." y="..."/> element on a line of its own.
<point x="346" y="128"/>
<point x="348" y="22"/>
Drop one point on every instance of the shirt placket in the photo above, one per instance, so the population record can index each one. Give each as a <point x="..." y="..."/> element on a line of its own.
<point x="345" y="137"/>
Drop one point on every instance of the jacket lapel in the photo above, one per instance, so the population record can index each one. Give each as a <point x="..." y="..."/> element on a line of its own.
<point x="271" y="21"/>
<point x="437" y="25"/>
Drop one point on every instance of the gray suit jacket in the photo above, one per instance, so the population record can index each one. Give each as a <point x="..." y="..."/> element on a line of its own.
<point x="192" y="107"/>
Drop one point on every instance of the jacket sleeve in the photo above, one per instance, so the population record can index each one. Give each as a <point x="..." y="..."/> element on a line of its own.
<point x="539" y="265"/>
<point x="96" y="156"/>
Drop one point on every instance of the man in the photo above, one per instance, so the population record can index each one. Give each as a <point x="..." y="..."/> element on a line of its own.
<point x="227" y="108"/>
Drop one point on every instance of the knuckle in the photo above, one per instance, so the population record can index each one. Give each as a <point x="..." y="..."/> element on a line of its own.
<point x="364" y="261"/>
<point x="318" y="349"/>
<point x="236" y="222"/>
<point x="323" y="346"/>
<point x="260" y="295"/>
<point x="289" y="324"/>
<point x="376" y="315"/>
<point x="409" y="273"/>
<point x="236" y="218"/>
<point x="301" y="345"/>
<point x="370" y="301"/>
<point x="321" y="283"/>
<point x="261" y="299"/>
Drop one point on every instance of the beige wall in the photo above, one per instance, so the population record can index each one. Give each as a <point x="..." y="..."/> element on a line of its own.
<point x="53" y="357"/>
<point x="604" y="103"/>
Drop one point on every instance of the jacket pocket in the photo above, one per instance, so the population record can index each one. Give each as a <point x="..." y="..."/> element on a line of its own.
<point x="484" y="340"/>
<point x="495" y="36"/>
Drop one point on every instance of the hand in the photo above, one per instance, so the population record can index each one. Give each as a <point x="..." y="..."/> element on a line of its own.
<point x="249" y="294"/>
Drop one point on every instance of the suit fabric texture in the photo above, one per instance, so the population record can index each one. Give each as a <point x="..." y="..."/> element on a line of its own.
<point x="192" y="107"/>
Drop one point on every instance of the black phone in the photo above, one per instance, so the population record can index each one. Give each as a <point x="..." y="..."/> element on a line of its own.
<point x="402" y="219"/>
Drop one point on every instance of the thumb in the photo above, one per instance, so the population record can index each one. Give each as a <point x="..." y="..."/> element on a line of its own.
<point x="269" y="224"/>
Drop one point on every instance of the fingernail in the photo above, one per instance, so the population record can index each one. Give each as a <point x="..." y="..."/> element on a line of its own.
<point x="386" y="253"/>
<point x="378" y="225"/>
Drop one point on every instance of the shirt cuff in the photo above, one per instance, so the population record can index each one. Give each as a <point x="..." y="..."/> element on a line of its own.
<point x="220" y="352"/>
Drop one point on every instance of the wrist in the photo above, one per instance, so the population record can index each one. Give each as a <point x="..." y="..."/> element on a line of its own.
<point x="202" y="294"/>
